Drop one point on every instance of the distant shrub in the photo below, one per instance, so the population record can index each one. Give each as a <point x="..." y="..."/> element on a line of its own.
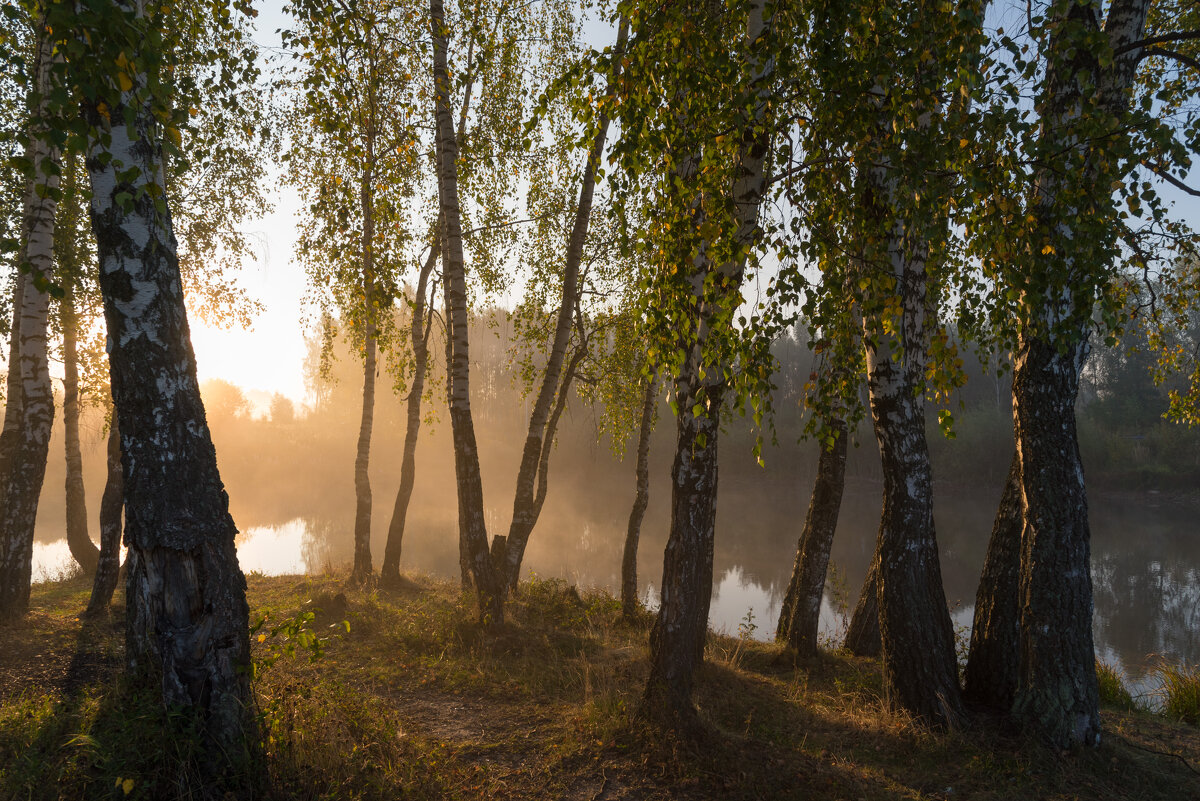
<point x="1113" y="692"/>
<point x="1179" y="691"/>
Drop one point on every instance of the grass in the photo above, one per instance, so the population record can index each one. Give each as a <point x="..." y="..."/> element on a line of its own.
<point x="1113" y="692"/>
<point x="1179" y="692"/>
<point x="417" y="701"/>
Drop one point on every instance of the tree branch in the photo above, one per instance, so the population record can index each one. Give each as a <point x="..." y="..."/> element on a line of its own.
<point x="1180" y="57"/>
<point x="1178" y="36"/>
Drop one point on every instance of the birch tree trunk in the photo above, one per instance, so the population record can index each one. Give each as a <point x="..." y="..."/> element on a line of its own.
<point x="527" y="500"/>
<point x="677" y="638"/>
<point x="1057" y="693"/>
<point x="800" y="615"/>
<point x="108" y="565"/>
<point x="487" y="578"/>
<point x="186" y="613"/>
<point x="419" y="332"/>
<point x="629" y="582"/>
<point x="78" y="539"/>
<point x="990" y="680"/>
<point x="862" y="635"/>
<point x="27" y="441"/>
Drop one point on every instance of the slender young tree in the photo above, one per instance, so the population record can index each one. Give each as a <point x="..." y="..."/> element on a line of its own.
<point x="641" y="499"/>
<point x="108" y="564"/>
<point x="29" y="413"/>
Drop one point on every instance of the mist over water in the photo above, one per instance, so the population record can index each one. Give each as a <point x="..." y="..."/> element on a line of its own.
<point x="290" y="483"/>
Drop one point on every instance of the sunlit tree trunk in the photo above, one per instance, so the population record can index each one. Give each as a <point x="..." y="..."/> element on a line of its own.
<point x="26" y="441"/>
<point x="419" y="332"/>
<point x="108" y="565"/>
<point x="535" y="457"/>
<point x="629" y="581"/>
<point x="1057" y="693"/>
<point x="78" y="540"/>
<point x="186" y="613"/>
<point x="487" y="579"/>
<point x="800" y="615"/>
<point x="990" y="680"/>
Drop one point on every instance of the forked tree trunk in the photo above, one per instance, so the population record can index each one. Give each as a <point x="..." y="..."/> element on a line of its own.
<point x="489" y="583"/>
<point x="108" y="566"/>
<point x="535" y="457"/>
<point x="26" y="441"/>
<point x="186" y="614"/>
<point x="78" y="540"/>
<point x="419" y="332"/>
<point x="990" y="680"/>
<point x="800" y="616"/>
<point x="629" y="581"/>
<point x="680" y="629"/>
<point x="862" y="635"/>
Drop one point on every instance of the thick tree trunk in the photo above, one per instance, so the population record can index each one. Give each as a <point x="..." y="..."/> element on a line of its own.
<point x="800" y="615"/>
<point x="78" y="540"/>
<point x="108" y="566"/>
<point x="186" y="613"/>
<point x="472" y="526"/>
<point x="862" y="635"/>
<point x="1057" y="693"/>
<point x="677" y="639"/>
<point x="527" y="505"/>
<point x="26" y="443"/>
<point x="419" y="331"/>
<point x="990" y="681"/>
<point x="629" y="582"/>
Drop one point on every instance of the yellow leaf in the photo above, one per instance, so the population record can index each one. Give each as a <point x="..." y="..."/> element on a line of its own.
<point x="127" y="786"/>
<point x="121" y="60"/>
<point x="174" y="136"/>
<point x="963" y="143"/>
<point x="1047" y="250"/>
<point x="124" y="82"/>
<point x="262" y="638"/>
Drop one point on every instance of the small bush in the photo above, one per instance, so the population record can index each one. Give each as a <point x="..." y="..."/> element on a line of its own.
<point x="1113" y="692"/>
<point x="1179" y="691"/>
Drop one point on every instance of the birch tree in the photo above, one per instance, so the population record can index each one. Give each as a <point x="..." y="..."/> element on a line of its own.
<point x="29" y="409"/>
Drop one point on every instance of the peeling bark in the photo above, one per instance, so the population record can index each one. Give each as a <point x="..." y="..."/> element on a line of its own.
<point x="419" y="330"/>
<point x="186" y="613"/>
<point x="473" y="536"/>
<point x="108" y="565"/>
<point x="25" y="442"/>
<point x="629" y="583"/>
<point x="800" y="615"/>
<point x="990" y="680"/>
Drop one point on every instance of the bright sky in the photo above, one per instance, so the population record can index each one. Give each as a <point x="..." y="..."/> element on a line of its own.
<point x="269" y="357"/>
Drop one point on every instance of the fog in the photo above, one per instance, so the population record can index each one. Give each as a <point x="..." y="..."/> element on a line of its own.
<point x="289" y="474"/>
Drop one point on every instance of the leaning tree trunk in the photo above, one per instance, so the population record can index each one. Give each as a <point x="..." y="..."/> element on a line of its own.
<point x="531" y="476"/>
<point x="108" y="566"/>
<point x="990" y="679"/>
<point x="362" y="481"/>
<point x="862" y="635"/>
<point x="186" y="613"/>
<point x="800" y="616"/>
<point x="473" y="534"/>
<point x="26" y="446"/>
<point x="78" y="540"/>
<point x="629" y="593"/>
<point x="419" y="332"/>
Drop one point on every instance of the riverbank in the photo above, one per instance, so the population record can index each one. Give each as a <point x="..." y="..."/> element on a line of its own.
<point x="417" y="701"/>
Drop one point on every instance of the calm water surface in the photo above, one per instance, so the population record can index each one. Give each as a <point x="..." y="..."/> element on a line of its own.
<point x="1145" y="558"/>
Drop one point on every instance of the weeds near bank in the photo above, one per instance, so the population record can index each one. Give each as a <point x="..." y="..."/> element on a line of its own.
<point x="1179" y="691"/>
<point x="1113" y="692"/>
